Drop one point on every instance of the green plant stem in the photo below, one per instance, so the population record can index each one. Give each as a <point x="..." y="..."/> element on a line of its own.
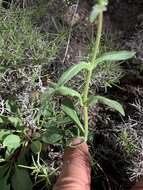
<point x="89" y="74"/>
<point x="85" y="97"/>
<point x="98" y="38"/>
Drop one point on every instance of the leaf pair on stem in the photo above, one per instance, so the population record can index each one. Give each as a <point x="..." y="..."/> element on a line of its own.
<point x="84" y="98"/>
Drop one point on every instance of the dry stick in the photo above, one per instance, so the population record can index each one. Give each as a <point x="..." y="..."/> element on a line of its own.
<point x="70" y="31"/>
<point x="89" y="73"/>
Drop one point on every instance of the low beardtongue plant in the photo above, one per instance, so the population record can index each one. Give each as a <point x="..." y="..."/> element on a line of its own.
<point x="84" y="98"/>
<point x="21" y="143"/>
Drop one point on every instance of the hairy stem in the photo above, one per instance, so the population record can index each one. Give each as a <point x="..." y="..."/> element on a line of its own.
<point x="85" y="97"/>
<point x="98" y="38"/>
<point x="89" y="74"/>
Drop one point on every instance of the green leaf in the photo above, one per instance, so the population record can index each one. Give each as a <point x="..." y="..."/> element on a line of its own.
<point x="47" y="111"/>
<point x="92" y="100"/>
<point x="11" y="106"/>
<point x="4" y="183"/>
<point x="68" y="108"/>
<point x="65" y="91"/>
<point x="111" y="103"/>
<point x="21" y="179"/>
<point x="71" y="72"/>
<point x="3" y="170"/>
<point x="62" y="90"/>
<point x="12" y="142"/>
<point x="36" y="146"/>
<point x="52" y="135"/>
<point x="96" y="10"/>
<point x="4" y="133"/>
<point x="1" y="120"/>
<point x="50" y="91"/>
<point x="115" y="56"/>
<point x="103" y="2"/>
<point x="16" y="121"/>
<point x="8" y="106"/>
<point x="22" y="159"/>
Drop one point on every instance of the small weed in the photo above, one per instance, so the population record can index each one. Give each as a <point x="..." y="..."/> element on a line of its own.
<point x="24" y="126"/>
<point x="83" y="98"/>
<point x="127" y="142"/>
<point x="29" y="122"/>
<point x="21" y="43"/>
<point x="41" y="172"/>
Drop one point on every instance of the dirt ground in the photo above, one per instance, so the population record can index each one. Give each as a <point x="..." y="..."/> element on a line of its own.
<point x="117" y="142"/>
<point x="116" y="166"/>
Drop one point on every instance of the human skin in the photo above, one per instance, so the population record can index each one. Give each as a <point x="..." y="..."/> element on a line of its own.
<point x="76" y="170"/>
<point x="75" y="174"/>
<point x="138" y="186"/>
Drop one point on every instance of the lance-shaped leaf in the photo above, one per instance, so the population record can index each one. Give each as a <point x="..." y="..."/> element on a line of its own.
<point x="65" y="91"/>
<point x="114" y="56"/>
<point x="61" y="90"/>
<point x="111" y="103"/>
<point x="73" y="71"/>
<point x="96" y="10"/>
<point x="69" y="109"/>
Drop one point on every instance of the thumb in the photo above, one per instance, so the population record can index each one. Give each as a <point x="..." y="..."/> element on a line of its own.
<point x="75" y="174"/>
<point x="138" y="186"/>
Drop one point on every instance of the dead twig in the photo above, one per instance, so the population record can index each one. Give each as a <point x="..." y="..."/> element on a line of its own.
<point x="70" y="31"/>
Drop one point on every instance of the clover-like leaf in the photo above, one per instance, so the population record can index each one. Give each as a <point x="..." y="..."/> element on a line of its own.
<point x="16" y="121"/>
<point x="12" y="142"/>
<point x="4" y="133"/>
<point x="36" y="146"/>
<point x="52" y="135"/>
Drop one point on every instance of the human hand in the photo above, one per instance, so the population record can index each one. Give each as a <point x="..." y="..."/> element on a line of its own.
<point x="76" y="168"/>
